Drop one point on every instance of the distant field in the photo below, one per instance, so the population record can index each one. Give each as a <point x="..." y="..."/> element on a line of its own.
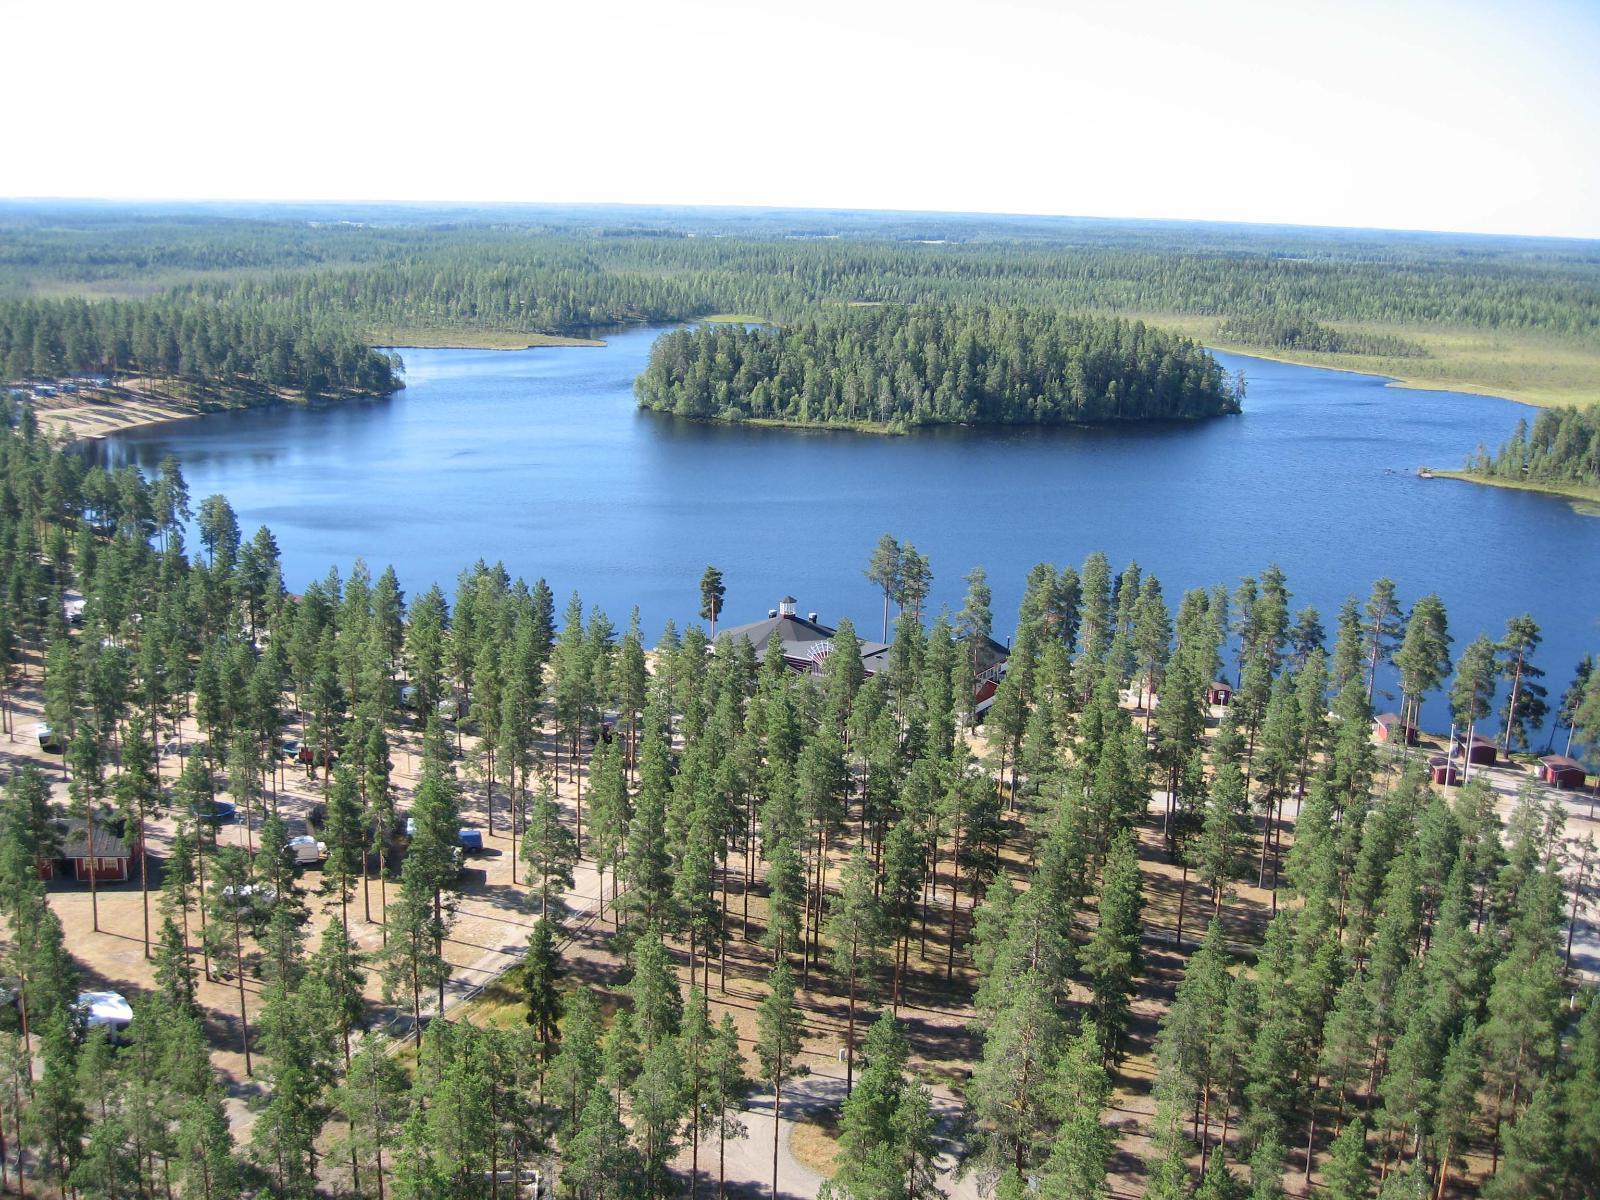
<point x="471" y="339"/>
<point x="1519" y="365"/>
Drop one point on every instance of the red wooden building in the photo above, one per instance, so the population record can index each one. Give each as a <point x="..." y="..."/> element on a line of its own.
<point x="1559" y="771"/>
<point x="1479" y="750"/>
<point x="1388" y="727"/>
<point x="1220" y="693"/>
<point x="110" y="860"/>
<point x="1443" y="771"/>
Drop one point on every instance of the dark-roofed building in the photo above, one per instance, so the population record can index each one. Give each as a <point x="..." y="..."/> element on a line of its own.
<point x="805" y="641"/>
<point x="1220" y="693"/>
<point x="1443" y="771"/>
<point x="108" y="860"/>
<point x="1478" y="750"/>
<point x="1559" y="771"/>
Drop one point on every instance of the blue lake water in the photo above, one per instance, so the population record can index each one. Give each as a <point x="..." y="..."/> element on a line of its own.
<point x="540" y="459"/>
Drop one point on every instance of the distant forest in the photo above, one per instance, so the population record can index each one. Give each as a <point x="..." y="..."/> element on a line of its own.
<point x="304" y="284"/>
<point x="551" y="270"/>
<point x="491" y="280"/>
<point x="909" y="366"/>
<point x="1562" y="447"/>
<point x="214" y="342"/>
<point x="1287" y="331"/>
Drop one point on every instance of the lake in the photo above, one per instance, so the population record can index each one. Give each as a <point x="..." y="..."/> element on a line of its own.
<point x="540" y="459"/>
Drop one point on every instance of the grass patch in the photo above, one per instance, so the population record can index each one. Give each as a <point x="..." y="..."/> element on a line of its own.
<point x="1574" y="491"/>
<point x="733" y="319"/>
<point x="409" y="338"/>
<point x="1529" y="367"/>
<point x="816" y="1143"/>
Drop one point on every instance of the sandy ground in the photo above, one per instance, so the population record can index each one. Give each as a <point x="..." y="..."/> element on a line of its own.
<point x="93" y="414"/>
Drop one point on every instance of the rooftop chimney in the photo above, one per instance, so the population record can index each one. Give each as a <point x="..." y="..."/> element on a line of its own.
<point x="812" y="617"/>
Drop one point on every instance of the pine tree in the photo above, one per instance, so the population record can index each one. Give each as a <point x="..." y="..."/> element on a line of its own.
<point x="541" y="975"/>
<point x="777" y="1043"/>
<point x="1112" y="956"/>
<point x="549" y="854"/>
<point x="855" y="928"/>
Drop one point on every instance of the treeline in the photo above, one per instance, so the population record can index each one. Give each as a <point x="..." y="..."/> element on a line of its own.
<point x="211" y="342"/>
<point x="1563" y="446"/>
<point x="549" y="283"/>
<point x="553" y="270"/>
<point x="906" y="367"/>
<point x="825" y="842"/>
<point x="1289" y="331"/>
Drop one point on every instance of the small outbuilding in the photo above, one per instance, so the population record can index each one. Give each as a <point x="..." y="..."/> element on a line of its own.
<point x="1559" y="771"/>
<point x="108" y="860"/>
<point x="1220" y="693"/>
<point x="1389" y="728"/>
<point x="1443" y="771"/>
<point x="1478" y="750"/>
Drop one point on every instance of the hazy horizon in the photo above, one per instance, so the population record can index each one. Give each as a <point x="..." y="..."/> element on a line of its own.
<point x="1422" y="115"/>
<point x="180" y="204"/>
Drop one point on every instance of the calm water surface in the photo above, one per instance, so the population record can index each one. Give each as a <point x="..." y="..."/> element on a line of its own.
<point x="541" y="460"/>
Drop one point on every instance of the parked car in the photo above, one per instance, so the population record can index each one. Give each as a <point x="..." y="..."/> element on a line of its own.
<point x="471" y="840"/>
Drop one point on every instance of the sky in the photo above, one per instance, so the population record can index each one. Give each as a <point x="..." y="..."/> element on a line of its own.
<point x="1462" y="115"/>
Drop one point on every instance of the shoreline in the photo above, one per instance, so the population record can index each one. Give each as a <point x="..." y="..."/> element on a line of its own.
<point x="1394" y="381"/>
<point x="1576" y="491"/>
<point x="137" y="403"/>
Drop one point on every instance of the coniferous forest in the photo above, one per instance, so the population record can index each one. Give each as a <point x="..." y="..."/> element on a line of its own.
<point x="215" y="342"/>
<point x="1562" y="447"/>
<point x="1114" y="938"/>
<point x="908" y="366"/>
<point x="1515" y="316"/>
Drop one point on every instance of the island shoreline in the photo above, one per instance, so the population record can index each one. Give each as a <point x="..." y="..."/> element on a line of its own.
<point x="1575" y="492"/>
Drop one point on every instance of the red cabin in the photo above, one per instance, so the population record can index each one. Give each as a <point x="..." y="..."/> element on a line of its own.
<point x="1559" y="771"/>
<point x="110" y="860"/>
<point x="1220" y="693"/>
<point x="1443" y="771"/>
<point x="1388" y="727"/>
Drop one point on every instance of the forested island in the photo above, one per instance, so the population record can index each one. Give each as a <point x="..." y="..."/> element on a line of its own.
<point x="1214" y="947"/>
<point x="1559" y="454"/>
<point x="896" y="367"/>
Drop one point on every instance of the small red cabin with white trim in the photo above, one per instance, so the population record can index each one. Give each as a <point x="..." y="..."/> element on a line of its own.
<point x="1443" y="771"/>
<point x="1559" y="771"/>
<point x="1388" y="727"/>
<point x="1220" y="693"/>
<point x="109" y="861"/>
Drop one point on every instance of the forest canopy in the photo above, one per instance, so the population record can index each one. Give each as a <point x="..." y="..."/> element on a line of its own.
<point x="205" y="342"/>
<point x="909" y="366"/>
<point x="1562" y="447"/>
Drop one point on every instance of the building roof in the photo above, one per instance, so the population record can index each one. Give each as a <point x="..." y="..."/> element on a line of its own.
<point x="75" y="844"/>
<point x="1561" y="762"/>
<point x="803" y="640"/>
<point x="1386" y="719"/>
